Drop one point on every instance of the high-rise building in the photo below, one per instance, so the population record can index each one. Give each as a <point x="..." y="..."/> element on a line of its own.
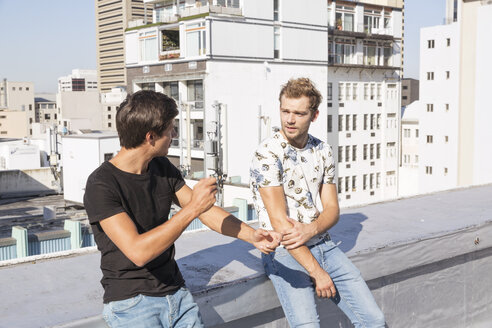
<point x="409" y="91"/>
<point x="239" y="53"/>
<point x="112" y="19"/>
<point x="453" y="112"/>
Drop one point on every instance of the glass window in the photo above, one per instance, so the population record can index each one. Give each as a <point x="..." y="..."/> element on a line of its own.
<point x="195" y="92"/>
<point x="148" y="46"/>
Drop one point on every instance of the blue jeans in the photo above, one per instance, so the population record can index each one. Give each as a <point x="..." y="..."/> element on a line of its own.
<point x="296" y="291"/>
<point x="174" y="310"/>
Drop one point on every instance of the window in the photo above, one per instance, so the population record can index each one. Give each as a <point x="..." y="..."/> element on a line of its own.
<point x="372" y="91"/>
<point x="354" y="183"/>
<point x="330" y="123"/>
<point x="448" y="42"/>
<point x="378" y="179"/>
<point x="171" y="89"/>
<point x="340" y="154"/>
<point x="347" y="91"/>
<point x="47" y="116"/>
<point x="347" y="122"/>
<point x="373" y="121"/>
<point x="344" y="18"/>
<point x="30" y="106"/>
<point x="109" y="124"/>
<point x="20" y="88"/>
<point x="430" y="44"/>
<point x="371" y="20"/>
<point x="347" y="153"/>
<point x="405" y="87"/>
<point x="430" y="76"/>
<point x="340" y="91"/>
<point x="429" y="139"/>
<point x="354" y="122"/>
<point x="340" y="185"/>
<point x="416" y="133"/>
<point x="347" y="182"/>
<point x="378" y="151"/>
<point x="364" y="181"/>
<point x="275" y="10"/>
<point x="430" y="107"/>
<point x="147" y="42"/>
<point x="447" y="75"/>
<point x="196" y="39"/>
<point x="378" y="91"/>
<point x="378" y="121"/>
<point x="366" y="91"/>
<point x="109" y="108"/>
<point x="365" y="121"/>
<point x="147" y="86"/>
<point x="276" y="42"/>
<point x="447" y="107"/>
<point x="354" y="91"/>
<point x="354" y="153"/>
<point x="109" y="116"/>
<point x="371" y="151"/>
<point x="330" y="91"/>
<point x="428" y="170"/>
<point x="365" y="152"/>
<point x="195" y="92"/>
<point x="13" y="89"/>
<point x="371" y="181"/>
<point x="406" y="133"/>
<point x="416" y="158"/>
<point x="30" y="120"/>
<point x="446" y="139"/>
<point x="340" y="123"/>
<point x="445" y="171"/>
<point x="108" y="156"/>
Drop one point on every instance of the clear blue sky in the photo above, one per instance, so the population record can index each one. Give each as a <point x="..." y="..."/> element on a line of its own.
<point x="42" y="40"/>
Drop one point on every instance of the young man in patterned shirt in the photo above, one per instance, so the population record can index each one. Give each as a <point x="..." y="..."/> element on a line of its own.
<point x="289" y="172"/>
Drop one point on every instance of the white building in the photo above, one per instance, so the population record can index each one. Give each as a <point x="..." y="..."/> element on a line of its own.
<point x="78" y="103"/>
<point x="454" y="140"/>
<point x="239" y="53"/>
<point x="409" y="160"/>
<point x="79" y="80"/>
<point x="110" y="103"/>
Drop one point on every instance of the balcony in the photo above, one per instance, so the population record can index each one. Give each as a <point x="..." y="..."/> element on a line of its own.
<point x="168" y="12"/>
<point x="360" y="61"/>
<point x="361" y="31"/>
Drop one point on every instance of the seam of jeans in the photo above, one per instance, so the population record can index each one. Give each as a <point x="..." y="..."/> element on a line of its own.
<point x="354" y="312"/>
<point x="170" y="310"/>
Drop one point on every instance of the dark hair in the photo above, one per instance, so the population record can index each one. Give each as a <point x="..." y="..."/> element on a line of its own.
<point x="296" y="88"/>
<point x="142" y="112"/>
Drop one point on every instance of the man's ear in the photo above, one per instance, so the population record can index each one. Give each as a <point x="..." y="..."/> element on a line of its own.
<point x="150" y="137"/>
<point x="315" y="116"/>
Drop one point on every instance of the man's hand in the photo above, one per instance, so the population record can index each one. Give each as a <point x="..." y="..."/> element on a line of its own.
<point x="266" y="241"/>
<point x="203" y="195"/>
<point x="298" y="235"/>
<point x="323" y="283"/>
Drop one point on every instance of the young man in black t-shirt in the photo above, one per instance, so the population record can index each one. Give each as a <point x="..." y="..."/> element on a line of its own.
<point x="128" y="200"/>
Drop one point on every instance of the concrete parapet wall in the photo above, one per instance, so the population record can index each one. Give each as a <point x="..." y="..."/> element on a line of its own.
<point x="27" y="182"/>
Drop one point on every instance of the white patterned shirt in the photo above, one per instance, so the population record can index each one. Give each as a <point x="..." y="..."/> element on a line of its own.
<point x="299" y="171"/>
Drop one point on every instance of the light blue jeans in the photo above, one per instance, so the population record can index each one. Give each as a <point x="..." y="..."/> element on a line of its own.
<point x="176" y="310"/>
<point x="296" y="291"/>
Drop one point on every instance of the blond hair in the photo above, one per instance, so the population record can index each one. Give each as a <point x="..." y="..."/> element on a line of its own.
<point x="296" y="88"/>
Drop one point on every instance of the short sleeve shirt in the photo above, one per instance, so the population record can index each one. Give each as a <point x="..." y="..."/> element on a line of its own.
<point x="146" y="198"/>
<point x="299" y="171"/>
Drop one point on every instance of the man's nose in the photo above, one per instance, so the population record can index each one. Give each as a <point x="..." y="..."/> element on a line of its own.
<point x="291" y="118"/>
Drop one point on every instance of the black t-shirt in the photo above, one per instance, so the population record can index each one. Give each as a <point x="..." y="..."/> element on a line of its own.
<point x="146" y="198"/>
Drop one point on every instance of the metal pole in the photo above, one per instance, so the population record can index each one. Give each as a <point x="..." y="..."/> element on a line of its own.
<point x="188" y="137"/>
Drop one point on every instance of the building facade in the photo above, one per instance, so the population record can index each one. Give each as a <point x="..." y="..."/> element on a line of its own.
<point x="409" y="91"/>
<point x="454" y="140"/>
<point x="110" y="103"/>
<point x="112" y="18"/>
<point x="17" y="97"/>
<point x="45" y="109"/>
<point x="239" y="53"/>
<point x="78" y="101"/>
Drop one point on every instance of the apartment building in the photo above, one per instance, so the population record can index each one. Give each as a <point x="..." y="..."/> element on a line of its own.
<point x="364" y="49"/>
<point x="239" y="53"/>
<point x="45" y="109"/>
<point x="454" y="142"/>
<point x="17" y="97"/>
<point x="112" y="18"/>
<point x="78" y="103"/>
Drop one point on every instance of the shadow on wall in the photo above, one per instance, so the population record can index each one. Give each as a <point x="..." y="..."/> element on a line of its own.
<point x="14" y="183"/>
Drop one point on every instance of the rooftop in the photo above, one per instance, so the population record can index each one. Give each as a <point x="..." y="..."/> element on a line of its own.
<point x="382" y="239"/>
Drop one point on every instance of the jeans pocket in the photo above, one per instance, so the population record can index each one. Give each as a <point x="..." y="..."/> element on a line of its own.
<point x="125" y="305"/>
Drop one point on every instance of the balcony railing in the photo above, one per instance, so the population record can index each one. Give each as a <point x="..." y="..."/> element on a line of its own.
<point x="361" y="28"/>
<point x="172" y="15"/>
<point x="340" y="59"/>
<point x="195" y="144"/>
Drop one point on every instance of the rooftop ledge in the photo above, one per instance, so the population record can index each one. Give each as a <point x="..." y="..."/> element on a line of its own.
<point x="435" y="247"/>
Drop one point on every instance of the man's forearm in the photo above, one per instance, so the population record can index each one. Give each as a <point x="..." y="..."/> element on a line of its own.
<point x="327" y="219"/>
<point x="227" y="224"/>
